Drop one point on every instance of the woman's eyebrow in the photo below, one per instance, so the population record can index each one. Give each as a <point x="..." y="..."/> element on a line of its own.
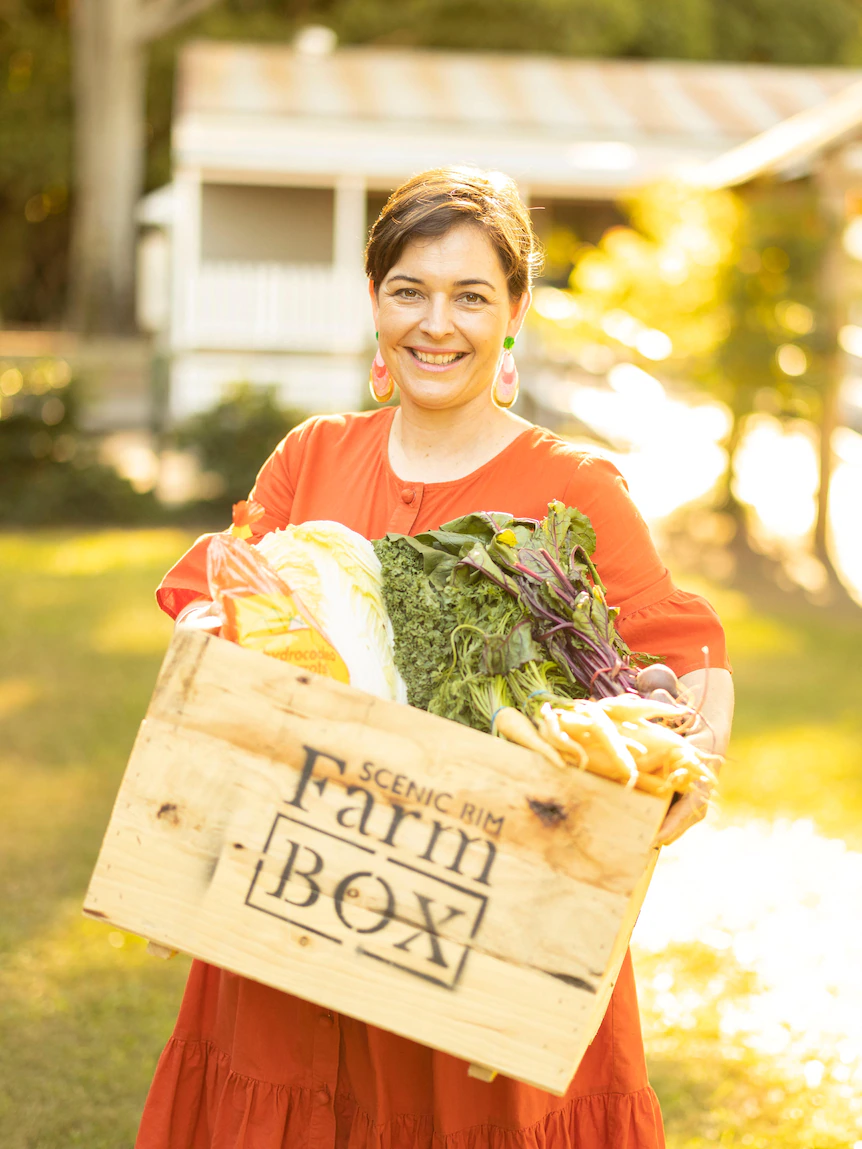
<point x="458" y="282"/>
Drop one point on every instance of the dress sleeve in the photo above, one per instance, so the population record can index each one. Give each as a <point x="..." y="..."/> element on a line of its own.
<point x="273" y="490"/>
<point x="655" y="616"/>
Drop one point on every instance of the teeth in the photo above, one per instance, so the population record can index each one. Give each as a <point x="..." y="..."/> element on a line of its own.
<point x="438" y="360"/>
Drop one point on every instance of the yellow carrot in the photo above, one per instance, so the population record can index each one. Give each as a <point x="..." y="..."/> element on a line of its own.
<point x="516" y="727"/>
<point x="549" y="728"/>
<point x="658" y="748"/>
<point x="588" y="724"/>
<point x="650" y="784"/>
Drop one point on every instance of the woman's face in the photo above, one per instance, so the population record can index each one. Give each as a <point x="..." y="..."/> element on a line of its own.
<point x="442" y="313"/>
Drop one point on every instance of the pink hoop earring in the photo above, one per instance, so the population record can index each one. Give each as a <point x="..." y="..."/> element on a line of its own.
<point x="380" y="382"/>
<point x="505" y="390"/>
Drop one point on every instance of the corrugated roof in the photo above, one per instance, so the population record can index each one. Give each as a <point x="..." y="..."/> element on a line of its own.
<point x="795" y="141"/>
<point x="586" y="99"/>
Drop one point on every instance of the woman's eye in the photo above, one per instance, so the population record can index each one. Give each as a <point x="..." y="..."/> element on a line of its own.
<point x="473" y="297"/>
<point x="407" y="293"/>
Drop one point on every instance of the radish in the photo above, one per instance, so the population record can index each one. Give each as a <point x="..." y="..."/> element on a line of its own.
<point x="657" y="677"/>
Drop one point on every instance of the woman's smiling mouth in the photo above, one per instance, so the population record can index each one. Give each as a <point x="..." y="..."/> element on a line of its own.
<point x="436" y="359"/>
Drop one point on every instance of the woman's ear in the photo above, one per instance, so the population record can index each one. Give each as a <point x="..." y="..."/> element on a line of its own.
<point x="520" y="307"/>
<point x="372" y="292"/>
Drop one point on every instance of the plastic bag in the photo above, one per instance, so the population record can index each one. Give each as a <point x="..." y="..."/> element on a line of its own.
<point x="258" y="610"/>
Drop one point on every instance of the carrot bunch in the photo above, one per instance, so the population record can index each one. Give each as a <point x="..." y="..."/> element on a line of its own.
<point x="636" y="738"/>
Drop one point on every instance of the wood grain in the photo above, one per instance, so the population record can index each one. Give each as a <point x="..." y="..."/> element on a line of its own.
<point x="377" y="860"/>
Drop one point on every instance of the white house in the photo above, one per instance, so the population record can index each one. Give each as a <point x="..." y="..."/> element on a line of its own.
<point x="251" y="259"/>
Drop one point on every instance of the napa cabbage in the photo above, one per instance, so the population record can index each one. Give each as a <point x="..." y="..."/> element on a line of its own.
<point x="338" y="576"/>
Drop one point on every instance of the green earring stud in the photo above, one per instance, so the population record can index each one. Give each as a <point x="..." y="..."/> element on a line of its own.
<point x="509" y="342"/>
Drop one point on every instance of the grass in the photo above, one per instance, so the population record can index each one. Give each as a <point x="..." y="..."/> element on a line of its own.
<point x="797" y="743"/>
<point x="84" y="1011"/>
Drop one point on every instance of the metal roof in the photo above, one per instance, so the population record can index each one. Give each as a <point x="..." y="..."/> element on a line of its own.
<point x="790" y="145"/>
<point x="587" y="99"/>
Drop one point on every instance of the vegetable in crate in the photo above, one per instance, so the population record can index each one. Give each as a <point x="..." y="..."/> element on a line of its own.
<point x="258" y="610"/>
<point x="497" y="618"/>
<point x="338" y="576"/>
<point x="489" y="596"/>
<point x="308" y="594"/>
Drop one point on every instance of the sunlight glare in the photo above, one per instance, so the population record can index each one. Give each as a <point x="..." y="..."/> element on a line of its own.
<point x="552" y="303"/>
<point x="634" y="383"/>
<point x="785" y="509"/>
<point x="845" y="496"/>
<point x="669" y="451"/>
<point x="850" y="340"/>
<point x="791" y="359"/>
<point x="775" y="896"/>
<point x="654" y="344"/>
<point x="852" y="238"/>
<point x="777" y="475"/>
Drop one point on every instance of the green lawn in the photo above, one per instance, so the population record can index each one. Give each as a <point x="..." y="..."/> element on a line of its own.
<point x="797" y="746"/>
<point x="84" y="1011"/>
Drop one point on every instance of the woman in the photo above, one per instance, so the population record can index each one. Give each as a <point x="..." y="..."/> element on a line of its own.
<point x="449" y="264"/>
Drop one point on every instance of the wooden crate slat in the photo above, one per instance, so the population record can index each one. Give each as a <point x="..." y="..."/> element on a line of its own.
<point x="375" y="859"/>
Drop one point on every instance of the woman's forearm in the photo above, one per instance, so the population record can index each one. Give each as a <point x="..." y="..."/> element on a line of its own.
<point x="712" y="694"/>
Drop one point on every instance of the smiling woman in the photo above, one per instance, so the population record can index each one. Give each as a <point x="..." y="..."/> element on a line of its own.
<point x="450" y="263"/>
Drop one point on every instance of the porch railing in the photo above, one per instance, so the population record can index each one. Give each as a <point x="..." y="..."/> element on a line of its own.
<point x="274" y="307"/>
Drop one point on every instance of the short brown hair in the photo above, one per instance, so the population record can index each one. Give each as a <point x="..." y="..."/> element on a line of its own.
<point x="431" y="203"/>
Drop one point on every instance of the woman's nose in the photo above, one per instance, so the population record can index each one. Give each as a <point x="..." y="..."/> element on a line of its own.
<point x="436" y="321"/>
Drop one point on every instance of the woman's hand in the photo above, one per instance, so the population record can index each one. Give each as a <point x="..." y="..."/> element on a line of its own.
<point x="686" y="812"/>
<point x="712" y="693"/>
<point x="199" y="615"/>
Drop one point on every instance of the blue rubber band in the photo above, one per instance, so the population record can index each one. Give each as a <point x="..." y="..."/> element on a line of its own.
<point x="538" y="692"/>
<point x="494" y="716"/>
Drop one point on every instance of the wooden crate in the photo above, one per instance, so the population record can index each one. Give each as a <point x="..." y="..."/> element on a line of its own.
<point x="377" y="860"/>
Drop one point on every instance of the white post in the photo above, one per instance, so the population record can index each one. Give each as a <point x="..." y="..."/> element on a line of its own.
<point x="186" y="259"/>
<point x="349" y="223"/>
<point x="348" y="250"/>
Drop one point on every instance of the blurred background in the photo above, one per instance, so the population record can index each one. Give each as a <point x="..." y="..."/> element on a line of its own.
<point x="186" y="188"/>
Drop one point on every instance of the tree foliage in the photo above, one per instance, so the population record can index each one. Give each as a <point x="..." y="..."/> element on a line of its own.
<point x="568" y="27"/>
<point x="36" y="110"/>
<point x="772" y="293"/>
<point x="727" y="290"/>
<point x="50" y="466"/>
<point x="731" y="279"/>
<point x="35" y="159"/>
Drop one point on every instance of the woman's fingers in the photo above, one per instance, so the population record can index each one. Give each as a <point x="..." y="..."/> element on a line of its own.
<point x="687" y="812"/>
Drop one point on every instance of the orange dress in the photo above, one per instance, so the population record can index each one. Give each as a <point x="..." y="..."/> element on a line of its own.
<point x="249" y="1067"/>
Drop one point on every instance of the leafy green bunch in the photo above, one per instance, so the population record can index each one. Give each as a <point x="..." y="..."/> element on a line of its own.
<point x="492" y="611"/>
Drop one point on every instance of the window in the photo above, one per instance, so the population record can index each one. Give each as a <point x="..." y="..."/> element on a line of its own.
<point x="241" y="222"/>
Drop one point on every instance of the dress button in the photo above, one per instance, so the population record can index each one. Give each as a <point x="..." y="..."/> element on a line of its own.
<point x="326" y="1018"/>
<point x="408" y="495"/>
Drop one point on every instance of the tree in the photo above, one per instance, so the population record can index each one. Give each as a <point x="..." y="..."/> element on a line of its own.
<point x="109" y="39"/>
<point x="737" y="292"/>
<point x="35" y="124"/>
<point x="116" y="40"/>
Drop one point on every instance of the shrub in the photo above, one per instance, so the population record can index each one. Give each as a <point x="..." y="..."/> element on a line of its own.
<point x="234" y="438"/>
<point x="49" y="469"/>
